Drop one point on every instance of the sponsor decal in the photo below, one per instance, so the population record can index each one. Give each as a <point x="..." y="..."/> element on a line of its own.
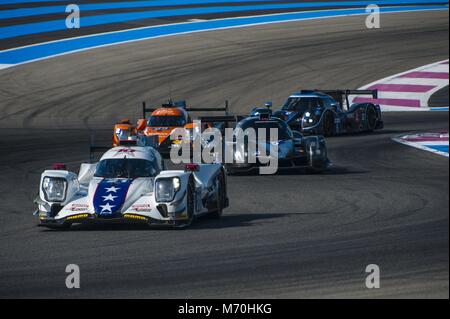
<point x="142" y="208"/>
<point x="127" y="151"/>
<point x="78" y="207"/>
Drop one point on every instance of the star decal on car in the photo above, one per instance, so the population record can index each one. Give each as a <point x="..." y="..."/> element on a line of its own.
<point x="107" y="208"/>
<point x="110" y="197"/>
<point x="113" y="189"/>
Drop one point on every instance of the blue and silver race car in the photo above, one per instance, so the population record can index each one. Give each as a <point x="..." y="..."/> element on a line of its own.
<point x="324" y="112"/>
<point x="293" y="149"/>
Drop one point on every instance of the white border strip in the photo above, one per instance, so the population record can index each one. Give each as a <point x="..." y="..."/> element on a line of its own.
<point x="419" y="146"/>
<point x="425" y="97"/>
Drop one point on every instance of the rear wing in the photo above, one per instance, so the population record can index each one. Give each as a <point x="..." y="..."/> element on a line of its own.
<point x="222" y="122"/>
<point x="343" y="95"/>
<point x="182" y="104"/>
<point x="220" y="119"/>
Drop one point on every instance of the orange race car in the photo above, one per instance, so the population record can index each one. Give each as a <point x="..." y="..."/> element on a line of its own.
<point x="126" y="133"/>
<point x="162" y="121"/>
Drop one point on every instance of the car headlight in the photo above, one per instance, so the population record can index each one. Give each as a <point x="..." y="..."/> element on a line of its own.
<point x="54" y="188"/>
<point x="308" y="119"/>
<point x="166" y="188"/>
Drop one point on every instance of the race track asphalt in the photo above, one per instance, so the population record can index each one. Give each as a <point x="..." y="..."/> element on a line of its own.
<point x="290" y="235"/>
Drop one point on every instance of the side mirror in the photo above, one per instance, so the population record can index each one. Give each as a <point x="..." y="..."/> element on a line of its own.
<point x="268" y="105"/>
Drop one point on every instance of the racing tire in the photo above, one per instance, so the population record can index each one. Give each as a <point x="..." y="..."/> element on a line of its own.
<point x="221" y="198"/>
<point x="190" y="206"/>
<point x="328" y="123"/>
<point x="319" y="169"/>
<point x="371" y="118"/>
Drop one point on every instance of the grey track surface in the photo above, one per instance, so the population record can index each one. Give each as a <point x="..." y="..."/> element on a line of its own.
<point x="440" y="98"/>
<point x="290" y="235"/>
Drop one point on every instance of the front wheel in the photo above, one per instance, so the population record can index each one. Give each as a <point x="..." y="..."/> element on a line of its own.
<point x="190" y="206"/>
<point x="371" y="119"/>
<point x="221" y="197"/>
<point x="327" y="126"/>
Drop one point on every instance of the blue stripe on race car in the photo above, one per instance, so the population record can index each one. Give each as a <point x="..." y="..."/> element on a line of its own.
<point x="110" y="196"/>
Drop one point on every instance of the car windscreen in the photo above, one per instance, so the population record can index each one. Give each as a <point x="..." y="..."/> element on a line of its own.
<point x="300" y="104"/>
<point x="282" y="129"/>
<point x="126" y="168"/>
<point x="167" y="121"/>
